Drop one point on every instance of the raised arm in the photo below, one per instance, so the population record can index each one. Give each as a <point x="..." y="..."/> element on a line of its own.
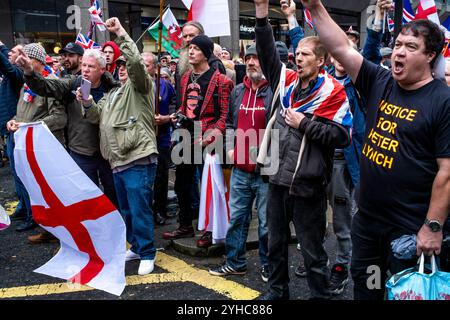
<point x="7" y="69"/>
<point x="334" y="38"/>
<point x="55" y="88"/>
<point x="295" y="31"/>
<point x="265" y="44"/>
<point x="135" y="66"/>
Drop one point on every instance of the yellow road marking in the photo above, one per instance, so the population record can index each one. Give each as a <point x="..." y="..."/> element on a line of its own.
<point x="179" y="271"/>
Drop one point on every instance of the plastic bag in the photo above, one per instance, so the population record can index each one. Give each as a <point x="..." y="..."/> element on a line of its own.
<point x="4" y="219"/>
<point x="411" y="284"/>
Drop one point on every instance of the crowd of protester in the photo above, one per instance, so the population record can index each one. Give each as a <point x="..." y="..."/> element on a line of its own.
<point x="365" y="130"/>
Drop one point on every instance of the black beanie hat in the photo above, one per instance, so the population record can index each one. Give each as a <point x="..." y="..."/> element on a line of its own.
<point x="205" y="44"/>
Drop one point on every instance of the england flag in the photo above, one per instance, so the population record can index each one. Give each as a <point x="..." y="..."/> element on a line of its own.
<point x="65" y="202"/>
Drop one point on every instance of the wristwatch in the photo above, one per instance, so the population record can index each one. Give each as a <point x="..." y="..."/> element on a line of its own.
<point x="434" y="225"/>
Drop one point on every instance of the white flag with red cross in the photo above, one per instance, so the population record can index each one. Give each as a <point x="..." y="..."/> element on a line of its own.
<point x="427" y="10"/>
<point x="214" y="15"/>
<point x="69" y="205"/>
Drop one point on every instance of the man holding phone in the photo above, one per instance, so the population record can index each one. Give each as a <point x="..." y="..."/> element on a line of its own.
<point x="128" y="142"/>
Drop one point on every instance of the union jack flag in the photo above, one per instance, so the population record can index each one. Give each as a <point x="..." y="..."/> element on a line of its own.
<point x="86" y="43"/>
<point x="308" y="18"/>
<point x="391" y="24"/>
<point x="408" y="12"/>
<point x="96" y="17"/>
<point x="327" y="99"/>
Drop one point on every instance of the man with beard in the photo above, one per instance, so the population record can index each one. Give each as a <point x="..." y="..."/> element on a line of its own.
<point x="71" y="57"/>
<point x="190" y="30"/>
<point x="311" y="116"/>
<point x="248" y="113"/>
<point x="83" y="137"/>
<point x="205" y="93"/>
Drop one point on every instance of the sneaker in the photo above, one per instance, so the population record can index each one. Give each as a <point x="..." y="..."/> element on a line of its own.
<point x="338" y="279"/>
<point x="131" y="256"/>
<point x="159" y="219"/>
<point x="43" y="237"/>
<point x="225" y="270"/>
<point x="205" y="241"/>
<point x="146" y="267"/>
<point x="300" y="271"/>
<point x="265" y="273"/>
<point x="299" y="248"/>
<point x="181" y="232"/>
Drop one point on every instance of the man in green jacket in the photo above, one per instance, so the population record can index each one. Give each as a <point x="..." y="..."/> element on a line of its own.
<point x="128" y="142"/>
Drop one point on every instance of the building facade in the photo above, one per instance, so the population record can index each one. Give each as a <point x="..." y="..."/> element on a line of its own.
<point x="54" y="23"/>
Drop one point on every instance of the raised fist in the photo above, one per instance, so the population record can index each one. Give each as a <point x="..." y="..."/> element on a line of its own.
<point x="288" y="7"/>
<point x="113" y="25"/>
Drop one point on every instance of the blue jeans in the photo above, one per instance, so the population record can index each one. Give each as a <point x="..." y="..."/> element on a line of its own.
<point x="245" y="187"/>
<point x="24" y="205"/>
<point x="96" y="167"/>
<point x="134" y="188"/>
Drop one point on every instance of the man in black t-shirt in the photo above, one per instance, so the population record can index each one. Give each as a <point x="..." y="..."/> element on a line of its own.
<point x="405" y="163"/>
<point x="204" y="101"/>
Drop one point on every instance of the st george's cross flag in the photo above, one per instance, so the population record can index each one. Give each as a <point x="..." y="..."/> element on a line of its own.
<point x="65" y="202"/>
<point x="214" y="15"/>
<point x="427" y="10"/>
<point x="214" y="213"/>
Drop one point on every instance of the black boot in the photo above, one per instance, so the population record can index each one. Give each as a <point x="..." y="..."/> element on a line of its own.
<point x="26" y="225"/>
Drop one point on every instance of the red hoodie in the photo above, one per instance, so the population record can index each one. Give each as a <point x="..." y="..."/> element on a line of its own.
<point x="252" y="115"/>
<point x="116" y="50"/>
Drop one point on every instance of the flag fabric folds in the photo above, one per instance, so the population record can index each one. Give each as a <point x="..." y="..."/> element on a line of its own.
<point x="69" y="205"/>
<point x="308" y="18"/>
<point x="86" y="43"/>
<point x="327" y="99"/>
<point x="214" y="214"/>
<point x="427" y="10"/>
<point x="96" y="16"/>
<point x="214" y="15"/>
<point x="171" y="35"/>
<point x="408" y="12"/>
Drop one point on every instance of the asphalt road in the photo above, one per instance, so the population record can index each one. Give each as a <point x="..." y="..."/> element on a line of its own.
<point x="18" y="259"/>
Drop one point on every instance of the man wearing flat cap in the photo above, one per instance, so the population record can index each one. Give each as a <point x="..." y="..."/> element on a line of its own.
<point x="32" y="107"/>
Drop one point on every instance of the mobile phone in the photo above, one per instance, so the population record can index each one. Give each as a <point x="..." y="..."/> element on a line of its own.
<point x="85" y="88"/>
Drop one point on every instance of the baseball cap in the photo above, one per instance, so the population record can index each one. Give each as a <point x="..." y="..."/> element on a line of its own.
<point x="72" y="47"/>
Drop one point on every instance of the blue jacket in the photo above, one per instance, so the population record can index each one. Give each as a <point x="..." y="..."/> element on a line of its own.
<point x="352" y="153"/>
<point x="9" y="89"/>
<point x="371" y="50"/>
<point x="167" y="93"/>
<point x="296" y="35"/>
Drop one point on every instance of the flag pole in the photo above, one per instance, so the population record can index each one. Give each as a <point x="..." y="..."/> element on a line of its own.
<point x="158" y="69"/>
<point x="146" y="30"/>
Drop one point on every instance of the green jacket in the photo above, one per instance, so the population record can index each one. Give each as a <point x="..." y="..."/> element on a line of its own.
<point x="45" y="109"/>
<point x="126" y="114"/>
<point x="83" y="136"/>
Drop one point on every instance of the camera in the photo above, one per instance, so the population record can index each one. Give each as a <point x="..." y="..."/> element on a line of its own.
<point x="182" y="121"/>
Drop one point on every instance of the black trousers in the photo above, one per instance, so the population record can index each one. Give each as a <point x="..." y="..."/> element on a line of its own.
<point x="184" y="181"/>
<point x="372" y="256"/>
<point x="309" y="217"/>
<point x="162" y="182"/>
